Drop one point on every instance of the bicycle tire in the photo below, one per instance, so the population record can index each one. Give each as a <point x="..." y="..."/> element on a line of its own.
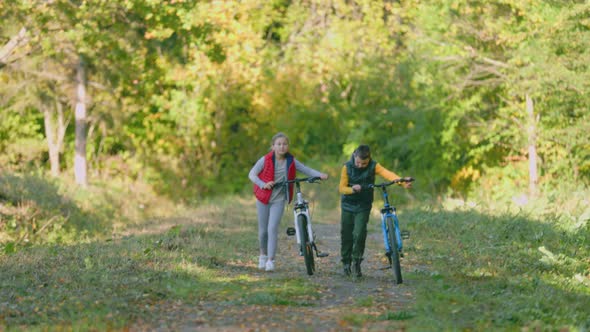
<point x="395" y="262"/>
<point x="306" y="246"/>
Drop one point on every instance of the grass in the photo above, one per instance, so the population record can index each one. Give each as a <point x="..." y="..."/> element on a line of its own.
<point x="106" y="282"/>
<point x="35" y="210"/>
<point x="119" y="281"/>
<point x="487" y="270"/>
<point x="116" y="260"/>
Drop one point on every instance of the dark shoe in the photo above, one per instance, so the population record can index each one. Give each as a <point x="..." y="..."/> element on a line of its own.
<point x="347" y="270"/>
<point x="356" y="269"/>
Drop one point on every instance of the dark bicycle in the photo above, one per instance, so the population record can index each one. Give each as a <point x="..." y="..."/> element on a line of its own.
<point x="392" y="235"/>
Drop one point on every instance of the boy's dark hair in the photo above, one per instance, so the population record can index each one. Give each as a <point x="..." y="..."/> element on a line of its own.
<point x="363" y="151"/>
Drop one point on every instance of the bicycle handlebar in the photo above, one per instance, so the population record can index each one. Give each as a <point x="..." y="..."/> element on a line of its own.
<point x="385" y="184"/>
<point x="311" y="179"/>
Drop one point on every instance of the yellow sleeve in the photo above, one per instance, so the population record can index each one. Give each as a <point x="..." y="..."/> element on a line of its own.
<point x="384" y="172"/>
<point x="343" y="187"/>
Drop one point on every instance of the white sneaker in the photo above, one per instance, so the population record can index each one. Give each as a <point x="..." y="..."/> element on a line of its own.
<point x="262" y="261"/>
<point x="270" y="265"/>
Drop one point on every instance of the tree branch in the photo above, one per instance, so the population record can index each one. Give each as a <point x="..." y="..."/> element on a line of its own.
<point x="15" y="41"/>
<point x="57" y="77"/>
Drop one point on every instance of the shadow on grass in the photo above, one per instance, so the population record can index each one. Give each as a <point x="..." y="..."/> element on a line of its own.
<point x="48" y="203"/>
<point x="498" y="271"/>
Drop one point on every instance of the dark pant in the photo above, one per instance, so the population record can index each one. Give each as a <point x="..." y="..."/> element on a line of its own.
<point x="353" y="234"/>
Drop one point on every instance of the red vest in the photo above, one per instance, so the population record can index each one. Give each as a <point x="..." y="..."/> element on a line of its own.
<point x="268" y="174"/>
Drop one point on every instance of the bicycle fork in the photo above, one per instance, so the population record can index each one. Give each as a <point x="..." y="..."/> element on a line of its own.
<point x="298" y="232"/>
<point x="301" y="209"/>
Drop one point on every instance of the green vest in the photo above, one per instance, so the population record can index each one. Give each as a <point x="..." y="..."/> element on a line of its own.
<point x="363" y="200"/>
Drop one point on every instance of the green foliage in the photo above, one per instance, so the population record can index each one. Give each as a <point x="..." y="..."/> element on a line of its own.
<point x="186" y="94"/>
<point x="21" y="143"/>
<point x="481" y="60"/>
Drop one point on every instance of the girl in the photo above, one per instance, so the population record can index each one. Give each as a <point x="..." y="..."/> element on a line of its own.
<point x="276" y="166"/>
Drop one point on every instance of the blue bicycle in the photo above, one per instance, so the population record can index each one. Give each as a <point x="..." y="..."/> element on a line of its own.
<point x="392" y="235"/>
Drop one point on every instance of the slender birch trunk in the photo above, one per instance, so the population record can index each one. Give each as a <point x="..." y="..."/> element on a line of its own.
<point x="55" y="129"/>
<point x="80" y="164"/>
<point x="50" y="134"/>
<point x="532" y="142"/>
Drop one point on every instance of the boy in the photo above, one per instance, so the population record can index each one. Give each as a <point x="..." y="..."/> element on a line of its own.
<point x="356" y="204"/>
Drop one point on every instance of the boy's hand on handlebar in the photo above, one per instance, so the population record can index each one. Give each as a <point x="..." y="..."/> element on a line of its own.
<point x="407" y="185"/>
<point x="356" y="188"/>
<point x="324" y="176"/>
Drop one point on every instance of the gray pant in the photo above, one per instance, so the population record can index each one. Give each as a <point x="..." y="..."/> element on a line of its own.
<point x="269" y="218"/>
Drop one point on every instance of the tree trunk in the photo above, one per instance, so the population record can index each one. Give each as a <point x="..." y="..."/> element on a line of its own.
<point x="532" y="142"/>
<point x="55" y="136"/>
<point x="80" y="164"/>
<point x="50" y="134"/>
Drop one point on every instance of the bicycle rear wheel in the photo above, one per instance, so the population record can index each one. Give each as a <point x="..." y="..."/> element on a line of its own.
<point x="395" y="263"/>
<point x="306" y="246"/>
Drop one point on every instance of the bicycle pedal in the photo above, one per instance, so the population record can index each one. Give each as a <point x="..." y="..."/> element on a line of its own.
<point x="323" y="254"/>
<point x="405" y="235"/>
<point x="290" y="231"/>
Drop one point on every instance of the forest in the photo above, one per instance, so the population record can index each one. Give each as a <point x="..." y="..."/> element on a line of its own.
<point x="177" y="93"/>
<point x="116" y="113"/>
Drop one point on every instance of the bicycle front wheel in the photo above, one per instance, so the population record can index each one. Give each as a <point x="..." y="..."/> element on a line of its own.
<point x="306" y="246"/>
<point x="395" y="263"/>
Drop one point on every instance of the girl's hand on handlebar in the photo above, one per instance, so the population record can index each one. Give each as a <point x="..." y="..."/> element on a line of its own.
<point x="324" y="176"/>
<point x="268" y="185"/>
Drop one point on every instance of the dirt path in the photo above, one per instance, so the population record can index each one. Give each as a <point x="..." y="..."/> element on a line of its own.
<point x="341" y="299"/>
